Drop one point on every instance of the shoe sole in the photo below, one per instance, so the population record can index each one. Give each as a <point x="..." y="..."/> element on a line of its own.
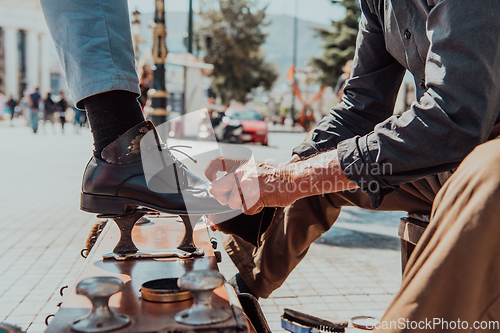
<point x="108" y="205"/>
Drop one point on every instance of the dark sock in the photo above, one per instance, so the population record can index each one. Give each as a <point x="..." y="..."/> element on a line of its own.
<point x="111" y="114"/>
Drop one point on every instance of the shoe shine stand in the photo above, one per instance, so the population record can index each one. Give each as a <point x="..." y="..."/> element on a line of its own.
<point x="107" y="297"/>
<point x="126" y="249"/>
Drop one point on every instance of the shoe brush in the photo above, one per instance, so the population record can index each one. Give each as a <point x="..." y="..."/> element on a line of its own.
<point x="300" y="322"/>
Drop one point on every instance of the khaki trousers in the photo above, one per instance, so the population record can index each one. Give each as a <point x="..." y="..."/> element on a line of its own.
<point x="453" y="273"/>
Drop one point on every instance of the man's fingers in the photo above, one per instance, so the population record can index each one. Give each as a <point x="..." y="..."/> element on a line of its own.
<point x="226" y="189"/>
<point x="234" y="200"/>
<point x="214" y="166"/>
<point x="221" y="164"/>
<point x="222" y="189"/>
<point x="254" y="209"/>
<point x="222" y="185"/>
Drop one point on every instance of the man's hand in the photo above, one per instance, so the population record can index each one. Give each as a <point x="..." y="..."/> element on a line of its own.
<point x="250" y="185"/>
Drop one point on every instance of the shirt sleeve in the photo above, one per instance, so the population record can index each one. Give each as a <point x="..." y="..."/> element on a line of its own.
<point x="456" y="112"/>
<point x="369" y="95"/>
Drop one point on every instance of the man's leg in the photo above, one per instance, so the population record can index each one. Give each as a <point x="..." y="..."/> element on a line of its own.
<point x="454" y="272"/>
<point x="94" y="44"/>
<point x="34" y="120"/>
<point x="287" y="240"/>
<point x="12" y="113"/>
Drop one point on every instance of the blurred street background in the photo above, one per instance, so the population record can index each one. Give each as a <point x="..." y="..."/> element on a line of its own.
<point x="266" y="71"/>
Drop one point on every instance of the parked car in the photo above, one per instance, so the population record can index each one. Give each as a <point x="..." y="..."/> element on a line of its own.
<point x="227" y="130"/>
<point x="254" y="127"/>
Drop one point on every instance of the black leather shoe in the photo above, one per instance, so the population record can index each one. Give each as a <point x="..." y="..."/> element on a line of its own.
<point x="118" y="183"/>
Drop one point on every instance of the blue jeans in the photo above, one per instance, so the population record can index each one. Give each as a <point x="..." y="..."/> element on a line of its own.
<point x="78" y="114"/>
<point x="34" y="119"/>
<point x="94" y="44"/>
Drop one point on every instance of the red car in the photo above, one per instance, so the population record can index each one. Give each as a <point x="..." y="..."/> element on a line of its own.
<point x="254" y="126"/>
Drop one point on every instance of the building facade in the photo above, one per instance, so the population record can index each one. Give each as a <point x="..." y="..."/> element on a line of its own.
<point x="27" y="55"/>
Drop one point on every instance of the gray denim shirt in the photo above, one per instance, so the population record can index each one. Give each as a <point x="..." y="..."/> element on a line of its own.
<point x="452" y="48"/>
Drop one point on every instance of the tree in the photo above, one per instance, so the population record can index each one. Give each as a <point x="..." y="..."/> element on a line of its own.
<point x="233" y="45"/>
<point x="339" y="43"/>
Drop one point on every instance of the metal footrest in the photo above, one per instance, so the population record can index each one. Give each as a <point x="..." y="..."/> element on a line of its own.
<point x="166" y="253"/>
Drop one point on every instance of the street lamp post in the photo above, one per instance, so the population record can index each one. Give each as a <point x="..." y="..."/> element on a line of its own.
<point x="295" y="32"/>
<point x="159" y="94"/>
<point x="136" y="33"/>
<point x="190" y="28"/>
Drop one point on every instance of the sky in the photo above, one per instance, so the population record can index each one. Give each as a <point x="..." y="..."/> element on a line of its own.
<point x="318" y="11"/>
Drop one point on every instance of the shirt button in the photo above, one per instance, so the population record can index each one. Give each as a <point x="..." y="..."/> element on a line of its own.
<point x="422" y="83"/>
<point x="407" y="34"/>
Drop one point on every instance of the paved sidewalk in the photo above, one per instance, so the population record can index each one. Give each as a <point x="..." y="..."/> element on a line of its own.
<point x="354" y="269"/>
<point x="41" y="226"/>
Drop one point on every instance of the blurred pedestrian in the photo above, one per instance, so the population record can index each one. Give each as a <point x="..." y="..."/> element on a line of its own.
<point x="339" y="88"/>
<point x="34" y="103"/>
<point x="11" y="104"/>
<point x="77" y="120"/>
<point x="48" y="111"/>
<point x="24" y="108"/>
<point x="145" y="83"/>
<point x="61" y="107"/>
<point x="3" y="104"/>
<point x="83" y="119"/>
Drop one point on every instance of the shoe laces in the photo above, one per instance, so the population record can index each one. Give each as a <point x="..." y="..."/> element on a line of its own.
<point x="175" y="148"/>
<point x="162" y="146"/>
<point x="182" y="165"/>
